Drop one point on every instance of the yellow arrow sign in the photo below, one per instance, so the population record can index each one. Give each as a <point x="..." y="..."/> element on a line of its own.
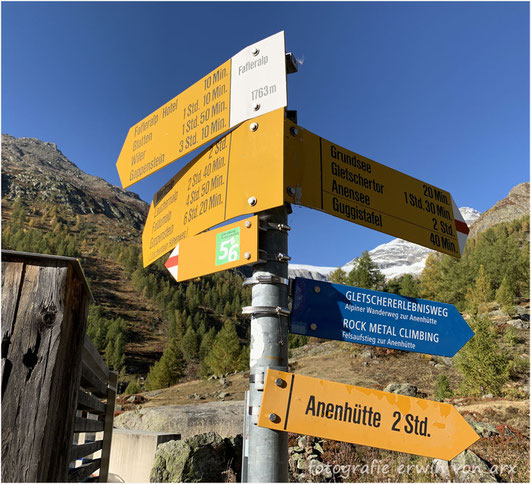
<point x="311" y="406"/>
<point x="242" y="173"/>
<point x="251" y="83"/>
<point x="327" y="177"/>
<point x="229" y="246"/>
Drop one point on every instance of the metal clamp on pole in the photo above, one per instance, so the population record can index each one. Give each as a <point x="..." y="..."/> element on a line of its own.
<point x="254" y="412"/>
<point x="274" y="226"/>
<point x="258" y="379"/>
<point x="266" y="279"/>
<point x="271" y="310"/>
<point x="280" y="257"/>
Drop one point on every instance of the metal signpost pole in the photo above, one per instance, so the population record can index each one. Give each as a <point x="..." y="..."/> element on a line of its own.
<point x="268" y="449"/>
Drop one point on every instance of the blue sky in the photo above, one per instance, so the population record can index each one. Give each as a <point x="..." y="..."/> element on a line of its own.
<point x="439" y="91"/>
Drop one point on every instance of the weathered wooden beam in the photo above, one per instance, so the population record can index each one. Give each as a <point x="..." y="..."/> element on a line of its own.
<point x="88" y="402"/>
<point x="83" y="450"/>
<point x="47" y="314"/>
<point x="11" y="280"/>
<point x="87" y="425"/>
<point x="91" y="382"/>
<point x="78" y="474"/>
<point x="94" y="361"/>
<point x="107" y="436"/>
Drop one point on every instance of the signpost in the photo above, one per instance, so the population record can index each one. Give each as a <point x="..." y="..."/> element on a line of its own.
<point x="346" y="313"/>
<point x="251" y="83"/>
<point x="242" y="173"/>
<point x="327" y="177"/>
<point x="256" y="168"/>
<point x="229" y="246"/>
<point x="311" y="406"/>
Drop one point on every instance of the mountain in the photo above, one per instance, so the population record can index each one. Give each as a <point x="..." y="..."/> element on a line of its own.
<point x="317" y="273"/>
<point x="400" y="257"/>
<point x="393" y="259"/>
<point x="35" y="170"/>
<point x="513" y="206"/>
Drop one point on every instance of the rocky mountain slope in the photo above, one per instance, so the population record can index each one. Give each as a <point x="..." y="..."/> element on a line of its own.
<point x="513" y="206"/>
<point x="35" y="170"/>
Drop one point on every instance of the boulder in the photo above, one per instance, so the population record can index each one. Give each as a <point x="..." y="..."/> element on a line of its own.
<point x="483" y="428"/>
<point x="201" y="458"/>
<point x="523" y="312"/>
<point x="518" y="323"/>
<point x="302" y="442"/>
<point x="402" y="389"/>
<point x="225" y="418"/>
<point x="466" y="467"/>
<point x="136" y="399"/>
<point x="469" y="467"/>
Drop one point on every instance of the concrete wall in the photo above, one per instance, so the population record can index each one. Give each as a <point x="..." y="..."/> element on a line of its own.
<point x="133" y="452"/>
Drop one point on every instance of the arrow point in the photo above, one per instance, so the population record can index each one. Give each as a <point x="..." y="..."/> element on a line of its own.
<point x="464" y="437"/>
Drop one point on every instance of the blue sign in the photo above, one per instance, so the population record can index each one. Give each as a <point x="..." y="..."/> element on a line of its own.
<point x="346" y="313"/>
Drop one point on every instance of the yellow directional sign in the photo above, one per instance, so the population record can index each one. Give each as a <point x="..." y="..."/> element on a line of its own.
<point x="327" y="177"/>
<point x="242" y="173"/>
<point x="219" y="249"/>
<point x="311" y="406"/>
<point x="251" y="83"/>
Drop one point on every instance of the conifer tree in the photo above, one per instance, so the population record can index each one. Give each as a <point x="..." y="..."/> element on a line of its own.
<point x="479" y="294"/>
<point x="190" y="345"/>
<point x="133" y="387"/>
<point x="198" y="317"/>
<point x="168" y="369"/>
<point x="225" y="353"/>
<point x="442" y="388"/>
<point x="409" y="286"/>
<point x="365" y="274"/>
<point x="201" y="330"/>
<point x="339" y="276"/>
<point x="96" y="327"/>
<point x="109" y="353"/>
<point x="504" y="296"/>
<point x="118" y="357"/>
<point x="207" y="343"/>
<point x="179" y="328"/>
<point x="227" y="311"/>
<point x="483" y="365"/>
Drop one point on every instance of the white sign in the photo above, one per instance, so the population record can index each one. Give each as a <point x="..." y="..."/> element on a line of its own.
<point x="258" y="79"/>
